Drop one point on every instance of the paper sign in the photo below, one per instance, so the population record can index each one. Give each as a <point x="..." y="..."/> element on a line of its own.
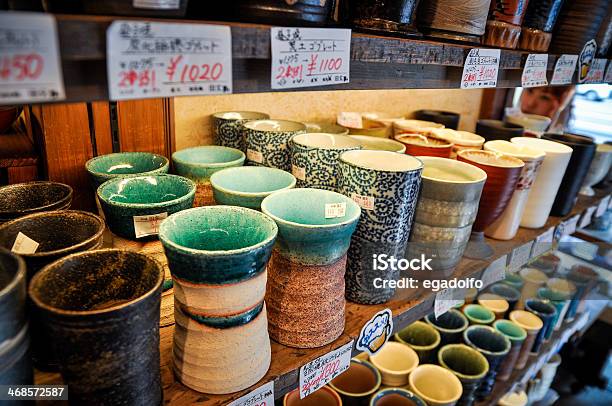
<point x="543" y="243"/>
<point x="148" y="224"/>
<point x="365" y="202"/>
<point x="152" y="59"/>
<point x="602" y="207"/>
<point x="587" y="217"/>
<point x="303" y="57"/>
<point x="30" y="69"/>
<point x="335" y="210"/>
<point x="350" y="119"/>
<point x="534" y="72"/>
<point x="157" y="4"/>
<point x="445" y="300"/>
<point x="24" y="244"/>
<point x="480" y="68"/>
<point x="585" y="59"/>
<point x="262" y="396"/>
<point x="596" y="73"/>
<point x="297" y="171"/>
<point x="495" y="272"/>
<point x="520" y="256"/>
<point x="567" y="227"/>
<point x="608" y="76"/>
<point x="375" y="332"/>
<point x="564" y="70"/>
<point x="256" y="156"/>
<point x="319" y="372"/>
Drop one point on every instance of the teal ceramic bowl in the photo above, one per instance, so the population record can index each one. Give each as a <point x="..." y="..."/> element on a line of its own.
<point x="247" y="186"/>
<point x="478" y="314"/>
<point x="106" y="167"/>
<point x="124" y="199"/>
<point x="314" y="225"/>
<point x="199" y="163"/>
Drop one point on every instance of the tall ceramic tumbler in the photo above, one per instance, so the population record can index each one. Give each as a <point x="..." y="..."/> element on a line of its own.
<point x="600" y="167"/>
<point x="386" y="185"/>
<point x="469" y="365"/>
<point x="517" y="335"/>
<point x="504" y="23"/>
<point x="532" y="325"/>
<point x="217" y="256"/>
<point x="305" y="292"/>
<point x="228" y="130"/>
<point x="267" y="142"/>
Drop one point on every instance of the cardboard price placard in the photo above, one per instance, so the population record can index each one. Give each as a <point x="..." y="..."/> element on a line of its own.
<point x="495" y="272"/>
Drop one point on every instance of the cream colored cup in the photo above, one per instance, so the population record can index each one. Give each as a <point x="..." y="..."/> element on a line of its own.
<point x="533" y="279"/>
<point x="379" y="144"/>
<point x="495" y="303"/>
<point x="415" y="126"/>
<point x="531" y="122"/>
<point x="532" y="324"/>
<point x="435" y="385"/>
<point x="395" y="361"/>
<point x="460" y="139"/>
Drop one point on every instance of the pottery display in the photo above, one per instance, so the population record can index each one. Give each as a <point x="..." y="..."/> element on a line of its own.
<point x="450" y="325"/>
<point x="199" y="163"/>
<point x="436" y="385"/>
<point x="386" y="185"/>
<point x="538" y="24"/>
<point x="546" y="312"/>
<point x="422" y="338"/>
<point x="326" y="396"/>
<point x="21" y="199"/>
<point x="247" y="186"/>
<point x="358" y="383"/>
<point x="504" y="23"/>
<point x="447" y="118"/>
<point x="497" y="304"/>
<point x="498" y="130"/>
<point x="533" y="124"/>
<point x="134" y="206"/>
<point x="600" y="167"/>
<point x="513" y="279"/>
<point x="469" y="365"/>
<point x="395" y="361"/>
<point x="325" y="127"/>
<point x="103" y="302"/>
<point x="267" y="142"/>
<point x="314" y="158"/>
<point x="422" y="127"/>
<point x="371" y="125"/>
<point x="217" y="256"/>
<point x="560" y="300"/>
<point x="548" y="180"/>
<point x="509" y="293"/>
<point x="445" y="211"/>
<point x="517" y="335"/>
<point x="532" y="325"/>
<point x="385" y="17"/>
<point x="110" y="166"/>
<point x="579" y="21"/>
<point x="379" y="144"/>
<point x="420" y="145"/>
<point x="454" y="20"/>
<point x="396" y="396"/>
<point x="228" y="130"/>
<point x="507" y="224"/>
<point x="533" y="279"/>
<point x="461" y="140"/>
<point x="478" y="314"/>
<point x="583" y="153"/>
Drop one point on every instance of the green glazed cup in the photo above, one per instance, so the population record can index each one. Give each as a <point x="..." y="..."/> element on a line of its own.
<point x="514" y="280"/>
<point x="469" y="365"/>
<point x="478" y="314"/>
<point x="517" y="335"/>
<point x="422" y="338"/>
<point x="105" y="167"/>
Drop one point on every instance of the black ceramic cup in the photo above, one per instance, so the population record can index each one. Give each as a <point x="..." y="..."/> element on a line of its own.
<point x="387" y="17"/>
<point x="577" y="168"/>
<point x="498" y="130"/>
<point x="21" y="199"/>
<point x="450" y="325"/>
<point x="509" y="293"/>
<point x="448" y="118"/>
<point x="468" y="364"/>
<point x="545" y="311"/>
<point x="100" y="310"/>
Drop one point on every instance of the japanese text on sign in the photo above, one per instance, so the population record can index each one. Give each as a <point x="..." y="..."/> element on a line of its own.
<point x="520" y="256"/>
<point x="596" y="73"/>
<point x="262" y="396"/>
<point x="495" y="272"/>
<point x="147" y="59"/>
<point x="564" y="70"/>
<point x="319" y="372"/>
<point x="480" y="68"/>
<point x="445" y="300"/>
<point x="534" y="72"/>
<point x="148" y="224"/>
<point x="304" y="57"/>
<point x="30" y="69"/>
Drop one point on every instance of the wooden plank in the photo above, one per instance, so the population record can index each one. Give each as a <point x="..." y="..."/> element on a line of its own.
<point x="142" y="126"/>
<point x="102" y="127"/>
<point x="19" y="174"/>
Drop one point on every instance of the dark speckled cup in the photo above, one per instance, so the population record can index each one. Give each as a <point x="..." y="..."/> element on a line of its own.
<point x="450" y="325"/>
<point x="21" y="199"/>
<point x="546" y="312"/>
<point x="469" y="365"/>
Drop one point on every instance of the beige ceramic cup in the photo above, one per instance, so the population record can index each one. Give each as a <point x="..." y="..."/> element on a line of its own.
<point x="435" y="385"/>
<point x="415" y="126"/>
<point x="532" y="324"/>
<point x="461" y="140"/>
<point x="379" y="144"/>
<point x="533" y="279"/>
<point x="395" y="361"/>
<point x="495" y="303"/>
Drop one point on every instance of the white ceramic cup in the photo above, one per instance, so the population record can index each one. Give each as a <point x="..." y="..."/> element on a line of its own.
<point x="598" y="170"/>
<point x="533" y="279"/>
<point x="395" y="361"/>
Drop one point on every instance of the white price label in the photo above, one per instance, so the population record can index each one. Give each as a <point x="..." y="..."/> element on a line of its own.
<point x="335" y="210"/>
<point x="153" y="59"/>
<point x="445" y="300"/>
<point x="480" y="68"/>
<point x="148" y="224"/>
<point x="298" y="172"/>
<point x="262" y="396"/>
<point x="520" y="256"/>
<point x="587" y="217"/>
<point x="24" y="244"/>
<point x="596" y="72"/>
<point x="495" y="272"/>
<point x="534" y="72"/>
<point x="30" y="69"/>
<point x="564" y="70"/>
<point x="602" y="206"/>
<point x="608" y="76"/>
<point x="569" y="226"/>
<point x="303" y="57"/>
<point x="157" y="4"/>
<point x="256" y="156"/>
<point x="365" y="202"/>
<point x="350" y="119"/>
<point x="543" y="243"/>
<point x="319" y="372"/>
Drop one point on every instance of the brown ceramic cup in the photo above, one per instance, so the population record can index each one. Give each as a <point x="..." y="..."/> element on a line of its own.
<point x="419" y="145"/>
<point x="325" y="396"/>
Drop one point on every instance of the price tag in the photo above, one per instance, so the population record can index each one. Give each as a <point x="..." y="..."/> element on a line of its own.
<point x="480" y="68"/>
<point x="303" y="57"/>
<point x="297" y="171"/>
<point x="596" y="73"/>
<point x="262" y="396"/>
<point x="24" y="244"/>
<point x="256" y="156"/>
<point x="564" y="70"/>
<point x="495" y="272"/>
<point x="148" y="224"/>
<point x="445" y="300"/>
<point x="365" y="202"/>
<point x="152" y="59"/>
<point x="534" y="72"/>
<point x="30" y="69"/>
<point x="350" y="119"/>
<point x="567" y="227"/>
<point x="319" y="372"/>
<point x="587" y="217"/>
<point x="608" y="76"/>
<point x="602" y="206"/>
<point x="520" y="256"/>
<point x="543" y="243"/>
<point x="157" y="4"/>
<point x="335" y="210"/>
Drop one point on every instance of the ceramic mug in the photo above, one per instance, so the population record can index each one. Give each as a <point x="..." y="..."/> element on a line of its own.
<point x="106" y="167"/>
<point x="461" y="140"/>
<point x="532" y="325"/>
<point x="598" y="170"/>
<point x="533" y="124"/>
<point x="420" y="145"/>
<point x="397" y="397"/>
<point x="422" y="338"/>
<point x="379" y="144"/>
<point x="468" y="365"/>
<point x="395" y="361"/>
<point x="228" y="130"/>
<point x="533" y="279"/>
<point x="478" y="314"/>
<point x="422" y="127"/>
<point x="560" y="300"/>
<point x="517" y="335"/>
<point x="509" y="293"/>
<point x="450" y="325"/>
<point x="497" y="304"/>
<point x="498" y="130"/>
<point x="447" y="118"/>
<point x="546" y="312"/>
<point x="267" y="142"/>
<point x="358" y="383"/>
<point x="435" y="385"/>
<point x="20" y="199"/>
<point x="325" y="396"/>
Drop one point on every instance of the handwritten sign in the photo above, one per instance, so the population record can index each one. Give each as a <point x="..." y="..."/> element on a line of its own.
<point x="319" y="372"/>
<point x="543" y="243"/>
<point x="303" y="57"/>
<point x="262" y="396"/>
<point x="24" y="244"/>
<point x="596" y="73"/>
<point x="480" y="68"/>
<point x="148" y="224"/>
<point x="520" y="256"/>
<point x="534" y="72"/>
<point x="587" y="217"/>
<point x="608" y="76"/>
<point x="297" y="171"/>
<point x="375" y="332"/>
<point x="152" y="59"/>
<point x="564" y="70"/>
<point x="445" y="300"/>
<point x="495" y="272"/>
<point x="30" y="69"/>
<point x="602" y="207"/>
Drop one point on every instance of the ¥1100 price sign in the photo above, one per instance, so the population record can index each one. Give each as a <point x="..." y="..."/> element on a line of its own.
<point x="304" y="57"/>
<point x="151" y="59"/>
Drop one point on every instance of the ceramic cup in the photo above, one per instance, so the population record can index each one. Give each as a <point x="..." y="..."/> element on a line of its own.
<point x="106" y="167"/>
<point x="518" y="398"/>
<point x="533" y="279"/>
<point x="372" y="126"/>
<point x="420" y="145"/>
<point x="468" y="365"/>
<point x="507" y="224"/>
<point x="509" y="293"/>
<point x="314" y="158"/>
<point x="470" y="295"/>
<point x="385" y="185"/>
<point x="549" y="264"/>
<point x="498" y="130"/>
<point x="532" y="325"/>
<point x="228" y="130"/>
<point x="218" y="256"/>
<point x="565" y="288"/>
<point x="517" y="335"/>
<point x="199" y="163"/>
<point x="560" y="300"/>
<point x="533" y="124"/>
<point x="583" y="153"/>
<point x="422" y="338"/>
<point x="379" y="144"/>
<point x="395" y="361"/>
<point x="21" y="199"/>
<point x="584" y="279"/>
<point x="450" y="325"/>
<point x="437" y="386"/>
<point x="514" y="280"/>
<point x="357" y="384"/>
<point x="497" y="304"/>
<point x="446" y="118"/>
<point x="546" y="185"/>
<point x="325" y="127"/>
<point x="415" y="127"/>
<point x="105" y="305"/>
<point x="461" y="140"/>
<point x="478" y="314"/>
<point x="247" y="186"/>
<point x="133" y="207"/>
<point x="546" y="312"/>
<point x="267" y="142"/>
<point x="325" y="396"/>
<point x="600" y="167"/>
<point x="396" y="396"/>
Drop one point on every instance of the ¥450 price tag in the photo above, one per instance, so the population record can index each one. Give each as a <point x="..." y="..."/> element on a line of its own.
<point x="321" y="371"/>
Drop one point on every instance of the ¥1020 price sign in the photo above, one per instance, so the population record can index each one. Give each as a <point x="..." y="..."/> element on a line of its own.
<point x="304" y="57"/>
<point x="152" y="59"/>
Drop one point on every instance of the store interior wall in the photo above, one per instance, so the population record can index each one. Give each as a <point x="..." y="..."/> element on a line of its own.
<point x="193" y="124"/>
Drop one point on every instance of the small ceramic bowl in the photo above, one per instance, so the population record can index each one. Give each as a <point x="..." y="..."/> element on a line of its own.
<point x="450" y="325"/>
<point x="435" y="385"/>
<point x="357" y="383"/>
<point x="460" y="139"/>
<point x="21" y="199"/>
<point x="395" y="361"/>
<point x="247" y="186"/>
<point x="379" y="144"/>
<point x="106" y="167"/>
<point x="420" y="145"/>
<point x="325" y="127"/>
<point x="396" y="396"/>
<point x="372" y="126"/>
<point x="478" y="314"/>
<point x="448" y="118"/>
<point x="415" y="126"/>
<point x="465" y="362"/>
<point x="129" y="203"/>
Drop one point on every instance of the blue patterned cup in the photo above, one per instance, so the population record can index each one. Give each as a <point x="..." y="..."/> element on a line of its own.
<point x="386" y="185"/>
<point x="267" y="142"/>
<point x="314" y="158"/>
<point x="228" y="127"/>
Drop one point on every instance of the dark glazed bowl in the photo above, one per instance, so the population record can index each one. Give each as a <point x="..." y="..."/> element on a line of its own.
<point x="447" y="118"/>
<point x="498" y="130"/>
<point x="21" y="199"/>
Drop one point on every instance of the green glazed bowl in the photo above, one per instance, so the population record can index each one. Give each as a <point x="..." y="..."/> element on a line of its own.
<point x="199" y="163"/>
<point x="122" y="199"/>
<point x="106" y="167"/>
<point x="247" y="186"/>
<point x="478" y="314"/>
